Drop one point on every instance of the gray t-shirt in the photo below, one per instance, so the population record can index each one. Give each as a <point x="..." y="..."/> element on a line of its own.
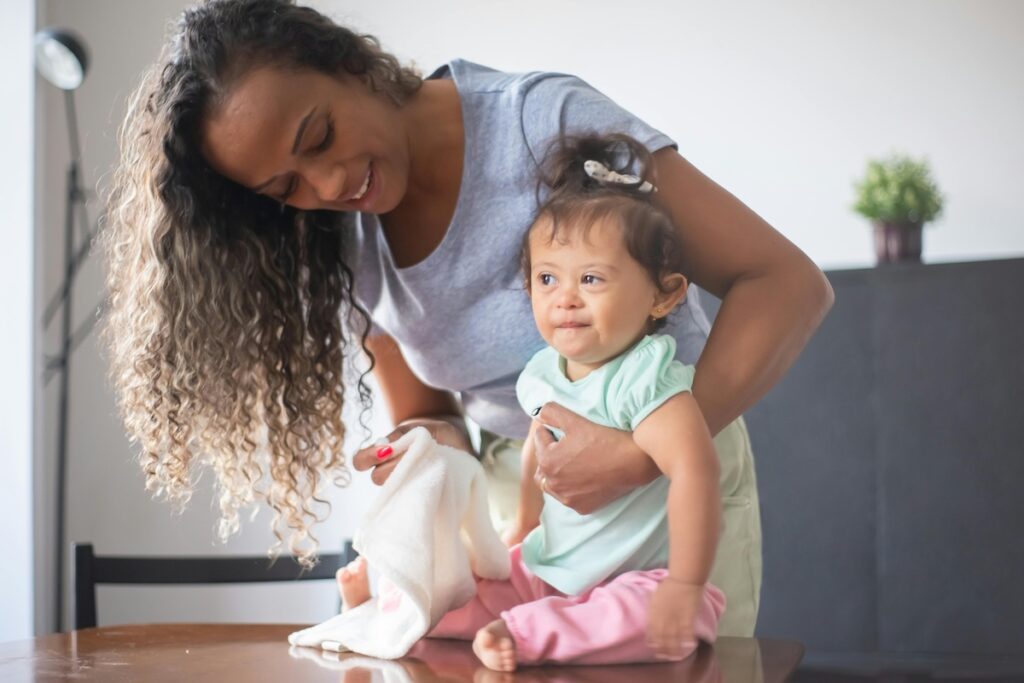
<point x="462" y="316"/>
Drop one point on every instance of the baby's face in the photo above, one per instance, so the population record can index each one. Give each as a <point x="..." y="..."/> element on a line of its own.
<point x="590" y="299"/>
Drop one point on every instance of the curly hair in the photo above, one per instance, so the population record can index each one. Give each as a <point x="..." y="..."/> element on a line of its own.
<point x="576" y="201"/>
<point x="231" y="316"/>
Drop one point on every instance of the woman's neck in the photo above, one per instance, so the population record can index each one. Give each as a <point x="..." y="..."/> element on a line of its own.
<point x="436" y="140"/>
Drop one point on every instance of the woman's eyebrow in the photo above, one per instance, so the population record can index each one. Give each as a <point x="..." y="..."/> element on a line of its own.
<point x="295" y="145"/>
<point x="302" y="129"/>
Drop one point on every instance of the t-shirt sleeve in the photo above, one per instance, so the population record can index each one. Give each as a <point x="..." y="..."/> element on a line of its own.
<point x="532" y="389"/>
<point x="558" y="104"/>
<point x="648" y="377"/>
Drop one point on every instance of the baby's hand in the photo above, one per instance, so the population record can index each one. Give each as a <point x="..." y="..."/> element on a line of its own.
<point x="671" y="618"/>
<point x="516" y="533"/>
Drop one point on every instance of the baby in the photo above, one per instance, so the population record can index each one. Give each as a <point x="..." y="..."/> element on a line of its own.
<point x="628" y="582"/>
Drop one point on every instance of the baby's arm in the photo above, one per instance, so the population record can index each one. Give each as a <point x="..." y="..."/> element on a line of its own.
<point x="531" y="498"/>
<point x="677" y="439"/>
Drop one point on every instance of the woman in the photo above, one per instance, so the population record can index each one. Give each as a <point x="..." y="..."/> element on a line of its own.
<point x="278" y="170"/>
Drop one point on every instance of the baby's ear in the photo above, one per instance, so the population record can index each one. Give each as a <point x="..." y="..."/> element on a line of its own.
<point x="673" y="292"/>
<point x="674" y="282"/>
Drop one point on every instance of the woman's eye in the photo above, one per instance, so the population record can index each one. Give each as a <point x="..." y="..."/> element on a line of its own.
<point x="283" y="197"/>
<point x="328" y="138"/>
<point x="288" y="191"/>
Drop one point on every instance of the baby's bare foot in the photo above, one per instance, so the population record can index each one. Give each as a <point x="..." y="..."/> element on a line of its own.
<point x="495" y="647"/>
<point x="353" y="584"/>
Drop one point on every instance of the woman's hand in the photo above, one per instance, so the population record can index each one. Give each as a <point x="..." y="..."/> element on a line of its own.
<point x="447" y="429"/>
<point x="671" y="618"/>
<point x="592" y="465"/>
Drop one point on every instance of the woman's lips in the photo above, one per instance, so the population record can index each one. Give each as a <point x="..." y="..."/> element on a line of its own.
<point x="364" y="187"/>
<point x="371" y="190"/>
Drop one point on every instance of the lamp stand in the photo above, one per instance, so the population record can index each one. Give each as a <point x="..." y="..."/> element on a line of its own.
<point x="74" y="204"/>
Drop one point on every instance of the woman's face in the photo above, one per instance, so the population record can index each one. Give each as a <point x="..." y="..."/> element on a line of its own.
<point x="310" y="140"/>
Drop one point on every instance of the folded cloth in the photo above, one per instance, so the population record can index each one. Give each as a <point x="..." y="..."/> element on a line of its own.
<point x="426" y="535"/>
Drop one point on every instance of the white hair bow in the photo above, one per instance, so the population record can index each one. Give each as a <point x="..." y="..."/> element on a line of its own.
<point x="603" y="174"/>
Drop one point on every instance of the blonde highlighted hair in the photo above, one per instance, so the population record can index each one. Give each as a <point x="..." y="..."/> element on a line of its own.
<point x="225" y="322"/>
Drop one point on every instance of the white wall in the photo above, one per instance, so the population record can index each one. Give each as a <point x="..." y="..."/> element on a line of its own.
<point x="780" y="102"/>
<point x="17" y="19"/>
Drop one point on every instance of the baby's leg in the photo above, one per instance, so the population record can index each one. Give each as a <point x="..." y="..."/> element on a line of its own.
<point x="353" y="584"/>
<point x="479" y="619"/>
<point x="605" y="625"/>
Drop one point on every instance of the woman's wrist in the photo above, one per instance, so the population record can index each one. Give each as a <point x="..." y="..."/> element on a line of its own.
<point x="457" y="432"/>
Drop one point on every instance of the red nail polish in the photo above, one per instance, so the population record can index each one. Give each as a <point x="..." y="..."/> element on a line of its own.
<point x="384" y="452"/>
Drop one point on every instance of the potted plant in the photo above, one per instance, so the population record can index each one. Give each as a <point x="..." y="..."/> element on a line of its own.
<point x="899" y="196"/>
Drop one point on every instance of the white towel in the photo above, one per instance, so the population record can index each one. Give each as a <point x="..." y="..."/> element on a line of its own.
<point x="427" y="533"/>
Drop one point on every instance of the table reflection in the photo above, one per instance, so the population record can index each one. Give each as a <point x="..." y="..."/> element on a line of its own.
<point x="452" y="661"/>
<point x="201" y="653"/>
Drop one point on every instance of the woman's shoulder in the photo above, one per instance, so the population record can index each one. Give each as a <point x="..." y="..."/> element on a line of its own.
<point x="472" y="77"/>
<point x="547" y="103"/>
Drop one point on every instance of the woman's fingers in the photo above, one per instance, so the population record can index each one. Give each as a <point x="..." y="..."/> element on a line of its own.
<point x="543" y="438"/>
<point x="382" y="471"/>
<point x="381" y="457"/>
<point x="377" y="453"/>
<point x="554" y="415"/>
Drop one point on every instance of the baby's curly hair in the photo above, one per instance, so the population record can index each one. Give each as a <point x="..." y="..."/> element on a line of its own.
<point x="230" y="315"/>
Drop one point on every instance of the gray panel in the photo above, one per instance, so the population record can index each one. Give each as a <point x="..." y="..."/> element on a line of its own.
<point x="813" y="441"/>
<point x="951" y="427"/>
<point x="812" y="444"/>
<point x="890" y="468"/>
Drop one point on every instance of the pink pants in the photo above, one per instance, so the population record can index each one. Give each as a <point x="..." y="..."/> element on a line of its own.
<point x="605" y="625"/>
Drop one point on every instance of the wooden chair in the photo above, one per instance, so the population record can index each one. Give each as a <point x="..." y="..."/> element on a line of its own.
<point x="91" y="569"/>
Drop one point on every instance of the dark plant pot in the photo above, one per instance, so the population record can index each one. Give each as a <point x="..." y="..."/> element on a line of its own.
<point x="897" y="242"/>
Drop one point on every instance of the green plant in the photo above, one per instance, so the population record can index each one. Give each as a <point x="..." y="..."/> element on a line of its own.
<point x="898" y="190"/>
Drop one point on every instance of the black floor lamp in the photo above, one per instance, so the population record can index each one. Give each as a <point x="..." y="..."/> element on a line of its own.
<point x="62" y="60"/>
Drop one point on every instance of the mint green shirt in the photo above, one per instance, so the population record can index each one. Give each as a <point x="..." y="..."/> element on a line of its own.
<point x="574" y="552"/>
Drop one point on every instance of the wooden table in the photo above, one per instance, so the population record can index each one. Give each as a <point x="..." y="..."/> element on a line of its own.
<point x="260" y="652"/>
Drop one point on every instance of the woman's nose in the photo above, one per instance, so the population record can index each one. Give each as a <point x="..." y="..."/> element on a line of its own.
<point x="327" y="180"/>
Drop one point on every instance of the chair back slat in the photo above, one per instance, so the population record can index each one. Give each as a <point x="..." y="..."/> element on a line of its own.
<point x="91" y="570"/>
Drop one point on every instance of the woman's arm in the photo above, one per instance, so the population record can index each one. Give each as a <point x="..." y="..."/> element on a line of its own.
<point x="411" y="403"/>
<point x="773" y="298"/>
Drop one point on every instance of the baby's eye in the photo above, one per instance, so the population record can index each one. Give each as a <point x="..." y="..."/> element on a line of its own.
<point x="546" y="279"/>
<point x="590" y="279"/>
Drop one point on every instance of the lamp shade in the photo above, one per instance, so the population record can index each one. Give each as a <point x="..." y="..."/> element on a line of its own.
<point x="61" y="58"/>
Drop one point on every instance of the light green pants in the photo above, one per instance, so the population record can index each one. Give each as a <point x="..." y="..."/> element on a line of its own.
<point x="737" y="568"/>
